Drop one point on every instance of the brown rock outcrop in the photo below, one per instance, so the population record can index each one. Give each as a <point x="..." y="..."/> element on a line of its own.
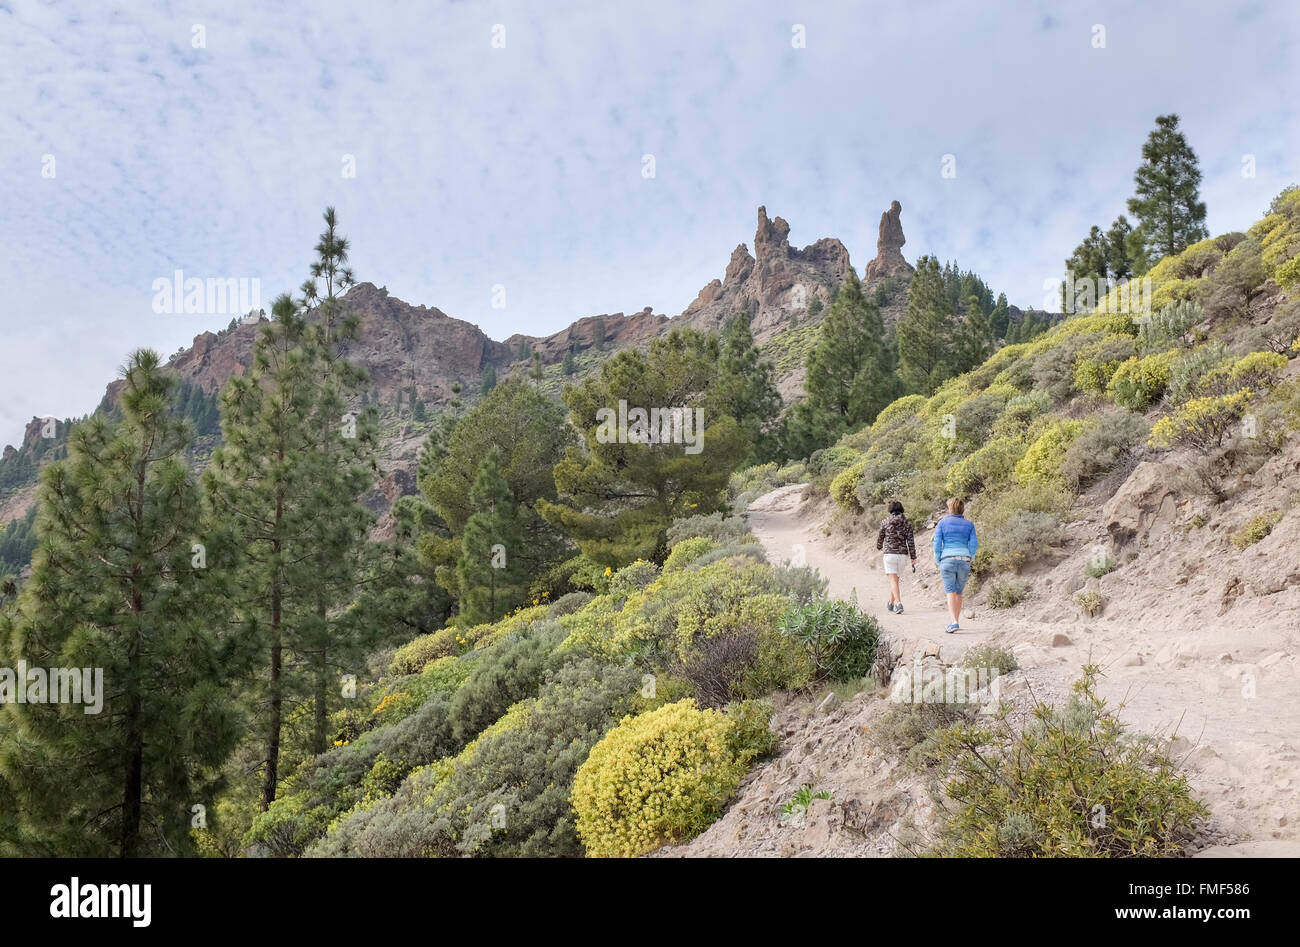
<point x="889" y="246"/>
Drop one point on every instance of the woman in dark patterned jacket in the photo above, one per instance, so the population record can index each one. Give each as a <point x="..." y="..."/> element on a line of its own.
<point x="896" y="539"/>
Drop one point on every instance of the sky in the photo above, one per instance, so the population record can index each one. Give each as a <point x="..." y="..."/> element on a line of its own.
<point x="490" y="158"/>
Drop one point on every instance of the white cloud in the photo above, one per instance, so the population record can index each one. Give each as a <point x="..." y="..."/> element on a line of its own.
<point x="522" y="165"/>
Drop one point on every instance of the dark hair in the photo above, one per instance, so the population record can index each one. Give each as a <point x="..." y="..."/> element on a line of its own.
<point x="895" y="507"/>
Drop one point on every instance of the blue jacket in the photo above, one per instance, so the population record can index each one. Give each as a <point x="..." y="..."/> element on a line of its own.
<point x="954" y="536"/>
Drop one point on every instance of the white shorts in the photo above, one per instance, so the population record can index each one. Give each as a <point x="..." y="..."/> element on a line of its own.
<point x="894" y="563"/>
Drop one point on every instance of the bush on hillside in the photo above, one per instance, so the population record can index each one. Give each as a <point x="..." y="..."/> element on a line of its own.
<point x="1187" y="370"/>
<point x="1255" y="530"/>
<point x="1105" y="442"/>
<point x="1073" y="782"/>
<point x="1141" y="382"/>
<point x="661" y="777"/>
<point x="715" y="526"/>
<point x="840" y="639"/>
<point x="1041" y="463"/>
<point x="1257" y="371"/>
<point x="1007" y="594"/>
<point x="687" y="552"/>
<point x="1202" y="423"/>
<point x="508" y="793"/>
<point x="1025" y="536"/>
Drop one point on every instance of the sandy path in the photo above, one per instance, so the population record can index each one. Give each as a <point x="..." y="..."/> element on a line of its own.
<point x="1242" y="755"/>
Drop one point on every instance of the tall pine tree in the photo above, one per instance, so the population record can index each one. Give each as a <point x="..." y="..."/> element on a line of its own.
<point x="745" y="389"/>
<point x="487" y="573"/>
<point x="119" y="585"/>
<point x="927" y="331"/>
<point x="1167" y="201"/>
<point x="847" y="378"/>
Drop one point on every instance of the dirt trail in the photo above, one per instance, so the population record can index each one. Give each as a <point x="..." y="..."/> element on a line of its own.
<point x="1242" y="755"/>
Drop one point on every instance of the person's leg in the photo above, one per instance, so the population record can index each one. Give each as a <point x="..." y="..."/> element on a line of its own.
<point x="954" y="606"/>
<point x="895" y="597"/>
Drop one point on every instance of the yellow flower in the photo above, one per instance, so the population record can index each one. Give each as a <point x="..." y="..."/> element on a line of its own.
<point x="609" y="570"/>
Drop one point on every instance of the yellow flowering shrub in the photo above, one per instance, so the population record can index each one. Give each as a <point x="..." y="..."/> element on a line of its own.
<point x="1140" y="382"/>
<point x="1042" y="462"/>
<point x="992" y="464"/>
<point x="660" y="777"/>
<point x="687" y="551"/>
<point x="1202" y="423"/>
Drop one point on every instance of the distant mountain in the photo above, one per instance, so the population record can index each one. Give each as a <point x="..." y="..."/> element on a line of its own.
<point x="407" y="348"/>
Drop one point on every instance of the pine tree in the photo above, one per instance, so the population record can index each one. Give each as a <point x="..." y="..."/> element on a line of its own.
<point x="342" y="467"/>
<point x="974" y="338"/>
<point x="569" y="366"/>
<point x="1168" y="189"/>
<point x="118" y="584"/>
<point x="535" y="373"/>
<point x="1119" y="264"/>
<point x="528" y="431"/>
<point x="847" y="379"/>
<point x="598" y="333"/>
<point x="619" y="494"/>
<point x="1000" y="318"/>
<point x="294" y="462"/>
<point x="927" y="331"/>
<point x="1086" y="269"/>
<point x="487" y="575"/>
<point x="745" y="389"/>
<point x="487" y="378"/>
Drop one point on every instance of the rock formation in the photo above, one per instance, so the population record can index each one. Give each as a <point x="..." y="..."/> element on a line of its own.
<point x="889" y="246"/>
<point x="776" y="285"/>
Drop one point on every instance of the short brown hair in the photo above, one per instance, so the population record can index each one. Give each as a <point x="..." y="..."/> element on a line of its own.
<point x="956" y="506"/>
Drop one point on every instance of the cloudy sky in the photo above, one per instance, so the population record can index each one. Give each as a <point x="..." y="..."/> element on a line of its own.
<point x="502" y="144"/>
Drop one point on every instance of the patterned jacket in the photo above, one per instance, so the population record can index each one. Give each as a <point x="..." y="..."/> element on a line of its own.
<point x="895" y="536"/>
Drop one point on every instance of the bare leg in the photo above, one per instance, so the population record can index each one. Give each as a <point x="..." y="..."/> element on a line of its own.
<point x="954" y="606"/>
<point x="894" y="594"/>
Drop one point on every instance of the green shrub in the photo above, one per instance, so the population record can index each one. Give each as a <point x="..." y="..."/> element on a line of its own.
<point x="508" y="793"/>
<point x="1024" y="537"/>
<point x="1188" y="369"/>
<point x="802" y="799"/>
<point x="715" y="526"/>
<point x="1141" y="382"/>
<point x="1257" y="371"/>
<point x="1255" y="530"/>
<point x="840" y="639"/>
<point x="1090" y="602"/>
<point x="1171" y="325"/>
<point x="1042" y="461"/>
<point x="1072" y="783"/>
<point x="568" y="604"/>
<point x="1103" y="444"/>
<point x="687" y="551"/>
<point x="412" y="657"/>
<point x="660" y="777"/>
<point x="1006" y="594"/>
<point x="1202" y="423"/>
<point x="991" y="465"/>
<point x="988" y="656"/>
<point x="1096" y="568"/>
<point x="748" y="548"/>
<point x="1019" y="414"/>
<point x="751" y="737"/>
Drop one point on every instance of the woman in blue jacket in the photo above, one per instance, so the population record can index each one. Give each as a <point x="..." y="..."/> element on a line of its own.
<point x="955" y="545"/>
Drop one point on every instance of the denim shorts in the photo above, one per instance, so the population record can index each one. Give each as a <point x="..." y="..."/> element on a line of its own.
<point x="954" y="572"/>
